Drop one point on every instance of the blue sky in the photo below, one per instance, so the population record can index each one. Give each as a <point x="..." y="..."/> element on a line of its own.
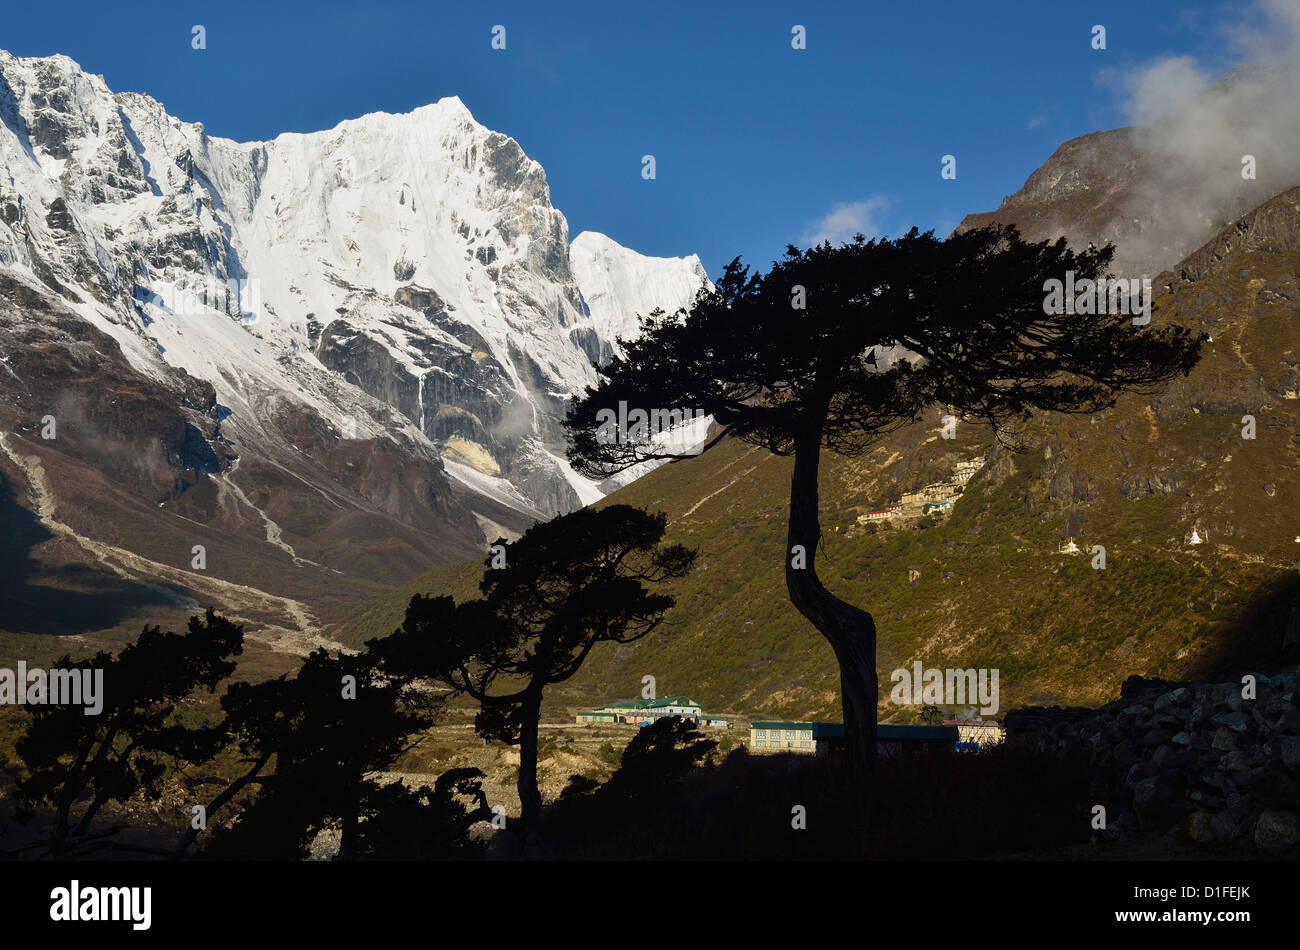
<point x="756" y="144"/>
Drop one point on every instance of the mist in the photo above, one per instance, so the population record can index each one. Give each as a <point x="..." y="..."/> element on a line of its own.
<point x="1193" y="136"/>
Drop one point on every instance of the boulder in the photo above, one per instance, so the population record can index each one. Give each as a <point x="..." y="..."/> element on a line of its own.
<point x="1276" y="831"/>
<point x="1290" y="747"/>
<point x="1200" y="828"/>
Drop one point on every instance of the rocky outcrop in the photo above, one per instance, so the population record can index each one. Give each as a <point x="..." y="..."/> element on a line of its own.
<point x="417" y="257"/>
<point x="1157" y="191"/>
<point x="1212" y="758"/>
<point x="1273" y="227"/>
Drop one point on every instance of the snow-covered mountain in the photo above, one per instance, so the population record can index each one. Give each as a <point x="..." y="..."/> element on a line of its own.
<point x="415" y="258"/>
<point x="620" y="286"/>
<point x="345" y="352"/>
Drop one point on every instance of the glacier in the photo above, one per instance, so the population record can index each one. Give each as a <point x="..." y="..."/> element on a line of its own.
<point x="399" y="277"/>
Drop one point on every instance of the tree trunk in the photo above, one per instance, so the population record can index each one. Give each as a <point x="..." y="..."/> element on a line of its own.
<point x="850" y="631"/>
<point x="59" y="836"/>
<point x="530" y="796"/>
<point x="84" y="825"/>
<point x="348" y="844"/>
<point x="230" y="791"/>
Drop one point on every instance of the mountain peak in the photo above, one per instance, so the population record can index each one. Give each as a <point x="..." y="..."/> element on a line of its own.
<point x="1158" y="190"/>
<point x="454" y="104"/>
<point x="405" y="272"/>
<point x="619" y="286"/>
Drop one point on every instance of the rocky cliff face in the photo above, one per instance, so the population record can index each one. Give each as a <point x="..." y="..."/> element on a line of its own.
<point x="1157" y="191"/>
<point x="339" y="353"/>
<point x="416" y="257"/>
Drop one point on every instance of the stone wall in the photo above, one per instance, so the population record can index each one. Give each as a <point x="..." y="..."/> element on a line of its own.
<point x="1196" y="756"/>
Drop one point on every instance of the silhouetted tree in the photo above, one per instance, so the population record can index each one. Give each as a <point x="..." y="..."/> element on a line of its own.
<point x="423" y="823"/>
<point x="578" y="786"/>
<point x="124" y="749"/>
<point x="659" y="755"/>
<point x="568" y="584"/>
<point x="836" y="346"/>
<point x="338" y="720"/>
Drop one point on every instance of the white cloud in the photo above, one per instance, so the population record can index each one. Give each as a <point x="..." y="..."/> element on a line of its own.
<point x="1272" y="34"/>
<point x="1164" y="87"/>
<point x="1266" y="32"/>
<point x="845" y="220"/>
<point x="1194" y="135"/>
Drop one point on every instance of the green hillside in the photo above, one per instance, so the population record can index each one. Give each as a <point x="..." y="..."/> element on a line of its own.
<point x="992" y="591"/>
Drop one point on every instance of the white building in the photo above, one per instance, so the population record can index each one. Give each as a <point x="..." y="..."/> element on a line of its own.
<point x="825" y="739"/>
<point x="641" y="711"/>
<point x="881" y="515"/>
<point x="966" y="469"/>
<point x="978" y="732"/>
<point x="782" y="736"/>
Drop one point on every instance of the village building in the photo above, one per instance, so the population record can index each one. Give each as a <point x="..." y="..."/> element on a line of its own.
<point x="928" y="495"/>
<point x="977" y="733"/>
<point x="825" y="739"/>
<point x="785" y="736"/>
<point x="938" y="497"/>
<point x="642" y="712"/>
<point x="882" y="514"/>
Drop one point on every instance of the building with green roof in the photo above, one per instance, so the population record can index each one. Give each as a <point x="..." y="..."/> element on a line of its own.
<point x="644" y="711"/>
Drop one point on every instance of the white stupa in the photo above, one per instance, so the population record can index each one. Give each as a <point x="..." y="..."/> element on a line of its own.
<point x="1194" y="537"/>
<point x="1068" y="547"/>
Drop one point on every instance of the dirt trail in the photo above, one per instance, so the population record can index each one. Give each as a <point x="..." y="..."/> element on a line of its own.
<point x="690" y="511"/>
<point x="237" y="599"/>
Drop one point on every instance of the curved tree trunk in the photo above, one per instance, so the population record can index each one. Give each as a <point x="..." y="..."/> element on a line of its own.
<point x="850" y="631"/>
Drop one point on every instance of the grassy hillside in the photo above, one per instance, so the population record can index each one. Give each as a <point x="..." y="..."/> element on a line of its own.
<point x="991" y="590"/>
